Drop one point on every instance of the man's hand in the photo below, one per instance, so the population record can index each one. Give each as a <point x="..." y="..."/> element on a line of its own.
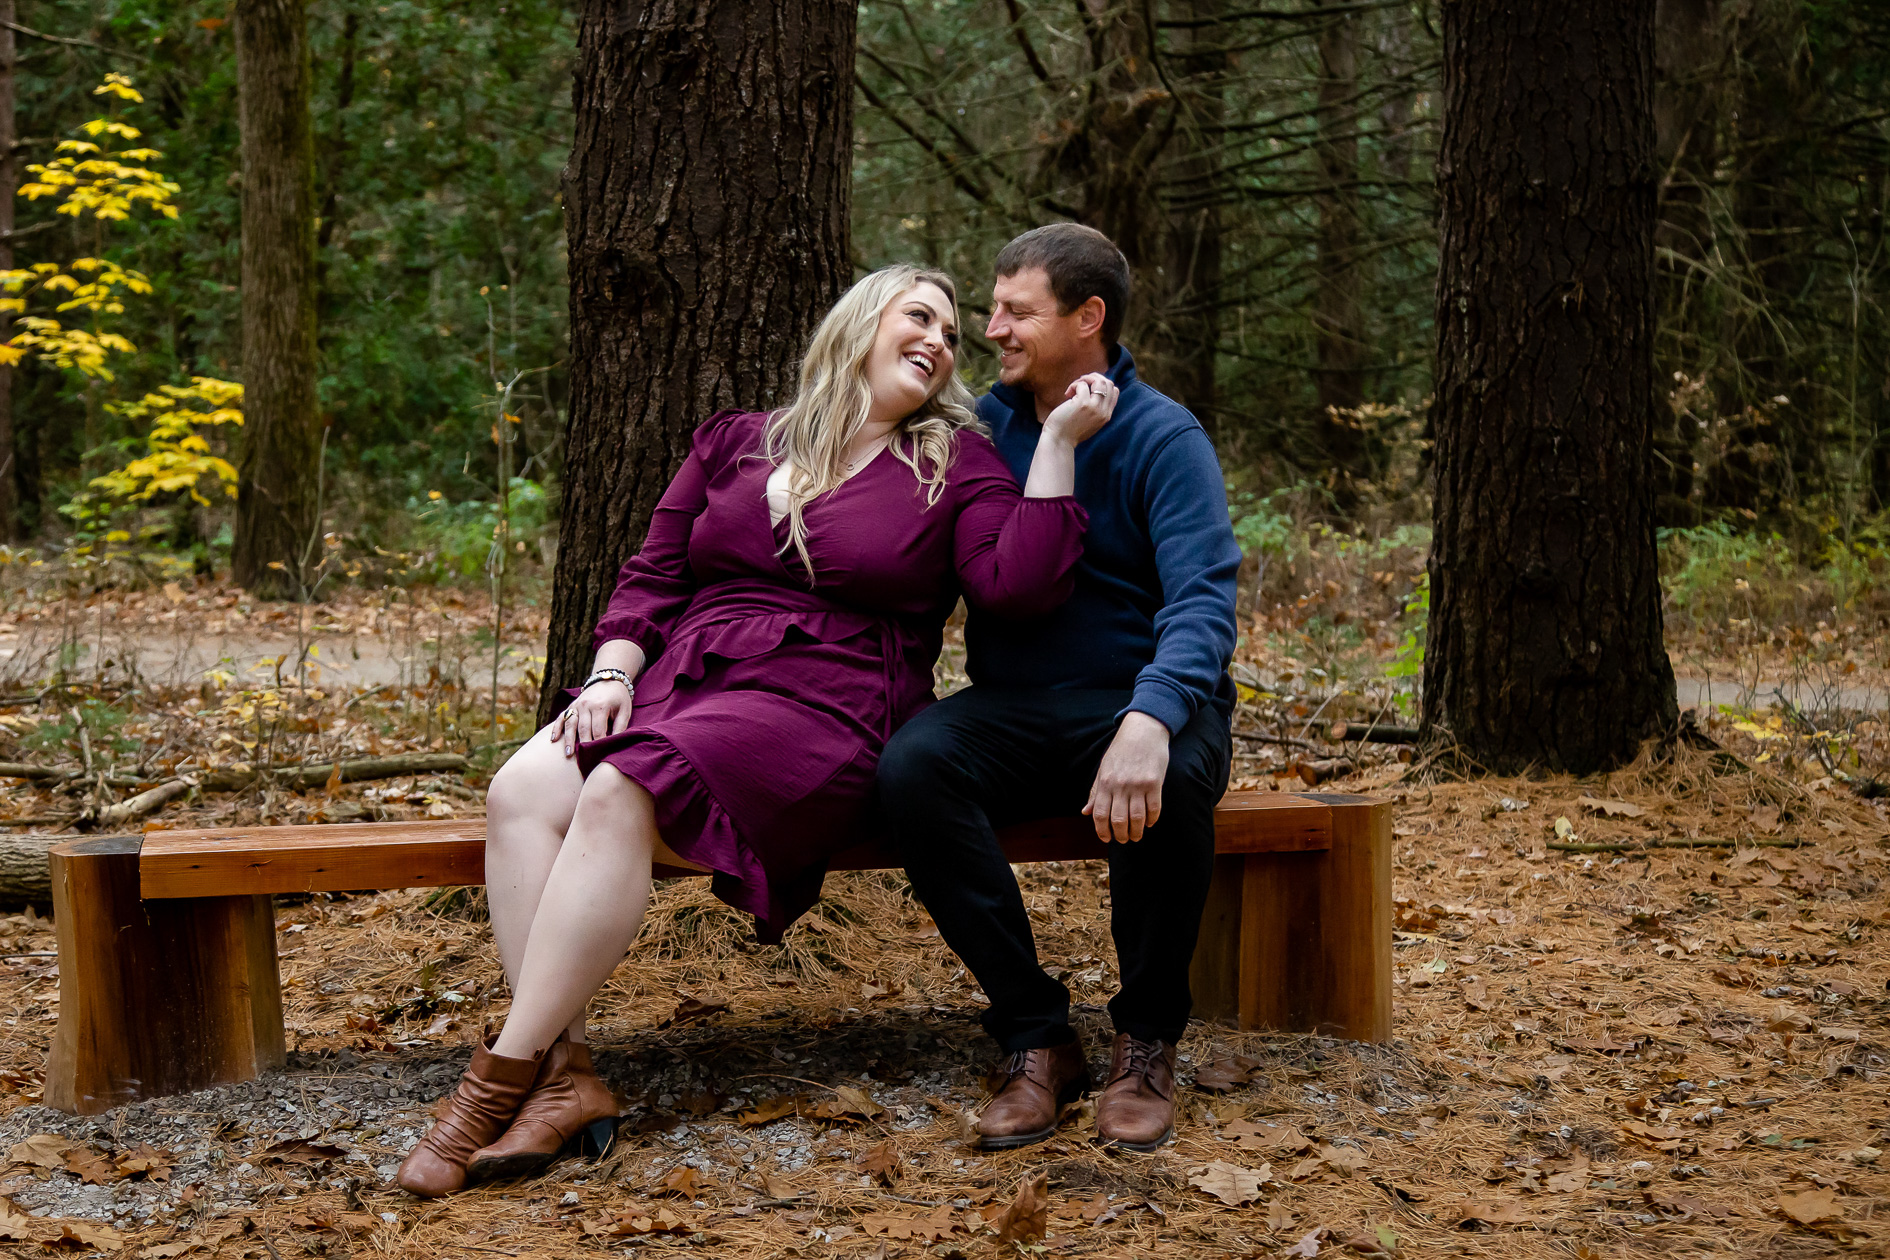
<point x="1126" y="798"/>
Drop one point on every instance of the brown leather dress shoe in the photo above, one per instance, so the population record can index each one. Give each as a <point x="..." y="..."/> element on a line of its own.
<point x="1036" y="1085"/>
<point x="488" y="1097"/>
<point x="1137" y="1109"/>
<point x="569" y="1106"/>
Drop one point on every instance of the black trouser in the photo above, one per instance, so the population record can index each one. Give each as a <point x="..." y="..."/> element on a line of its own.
<point x="986" y="757"/>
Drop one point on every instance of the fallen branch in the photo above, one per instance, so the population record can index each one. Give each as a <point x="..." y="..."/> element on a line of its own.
<point x="308" y="775"/>
<point x="316" y="774"/>
<point x="1373" y="733"/>
<point x="1286" y="740"/>
<point x="1680" y="842"/>
<point x="141" y="804"/>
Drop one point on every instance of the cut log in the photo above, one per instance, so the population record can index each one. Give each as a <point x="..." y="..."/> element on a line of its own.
<point x="1313" y="773"/>
<point x="23" y="877"/>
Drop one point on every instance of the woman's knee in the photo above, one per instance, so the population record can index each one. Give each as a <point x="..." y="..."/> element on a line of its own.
<point x="538" y="781"/>
<point x="613" y="799"/>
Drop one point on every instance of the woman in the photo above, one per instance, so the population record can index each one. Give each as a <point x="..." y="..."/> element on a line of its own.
<point x="779" y="623"/>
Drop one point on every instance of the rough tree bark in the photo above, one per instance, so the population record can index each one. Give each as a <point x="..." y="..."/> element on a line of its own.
<point x="275" y="504"/>
<point x="706" y="210"/>
<point x="1123" y="127"/>
<point x="1338" y="314"/>
<point x="1187" y="336"/>
<point x="1545" y="641"/>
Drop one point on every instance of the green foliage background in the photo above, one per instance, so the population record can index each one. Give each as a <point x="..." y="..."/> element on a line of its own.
<point x="440" y="134"/>
<point x="442" y="129"/>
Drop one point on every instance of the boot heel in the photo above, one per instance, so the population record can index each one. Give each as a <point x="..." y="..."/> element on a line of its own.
<point x="597" y="1138"/>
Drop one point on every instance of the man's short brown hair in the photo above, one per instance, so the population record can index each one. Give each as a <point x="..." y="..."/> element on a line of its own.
<point x="1081" y="262"/>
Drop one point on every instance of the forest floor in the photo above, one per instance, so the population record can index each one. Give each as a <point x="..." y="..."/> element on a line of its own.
<point x="1674" y="1047"/>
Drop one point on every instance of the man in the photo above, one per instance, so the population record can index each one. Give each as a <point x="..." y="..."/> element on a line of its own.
<point x="1118" y="705"/>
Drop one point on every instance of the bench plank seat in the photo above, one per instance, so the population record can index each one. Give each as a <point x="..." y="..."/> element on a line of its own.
<point x="169" y="983"/>
<point x="339" y="858"/>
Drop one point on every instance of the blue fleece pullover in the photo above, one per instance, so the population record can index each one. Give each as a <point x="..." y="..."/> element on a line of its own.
<point x="1153" y="610"/>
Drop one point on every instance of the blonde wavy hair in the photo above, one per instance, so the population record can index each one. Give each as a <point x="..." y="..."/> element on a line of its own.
<point x="813" y="431"/>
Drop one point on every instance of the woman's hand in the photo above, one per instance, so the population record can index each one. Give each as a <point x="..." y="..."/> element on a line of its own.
<point x="602" y="709"/>
<point x="1086" y="408"/>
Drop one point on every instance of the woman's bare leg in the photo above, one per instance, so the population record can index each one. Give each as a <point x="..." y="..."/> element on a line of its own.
<point x="589" y="911"/>
<point x="528" y="812"/>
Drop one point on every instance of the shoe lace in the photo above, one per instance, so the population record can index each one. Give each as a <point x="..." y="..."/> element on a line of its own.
<point x="1138" y="1057"/>
<point x="1015" y="1066"/>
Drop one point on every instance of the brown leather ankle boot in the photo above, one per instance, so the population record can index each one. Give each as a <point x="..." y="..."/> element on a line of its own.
<point x="1035" y="1086"/>
<point x="569" y="1105"/>
<point x="488" y="1097"/>
<point x="1137" y="1109"/>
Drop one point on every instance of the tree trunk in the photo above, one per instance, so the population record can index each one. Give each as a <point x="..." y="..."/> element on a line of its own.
<point x="706" y="209"/>
<point x="1189" y="332"/>
<point x="275" y="505"/>
<point x="1545" y="643"/>
<point x="9" y="187"/>
<point x="1123" y="128"/>
<point x="1338" y="314"/>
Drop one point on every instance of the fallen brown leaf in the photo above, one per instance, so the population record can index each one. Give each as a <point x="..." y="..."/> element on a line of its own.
<point x="1473" y="1212"/>
<point x="769" y="1110"/>
<point x="1230" y="1183"/>
<point x="693" y="1010"/>
<point x="1028" y="1215"/>
<point x="848" y="1103"/>
<point x="685" y="1182"/>
<point x="880" y="1162"/>
<point x="42" y="1150"/>
<point x="941" y="1224"/>
<point x="1225" y="1074"/>
<point x="1344" y="1160"/>
<point x="1259" y="1135"/>
<point x="633" y="1224"/>
<point x="1810" y="1207"/>
<point x="1308" y="1247"/>
<point x="1613" y="809"/>
<point x="91" y="1168"/>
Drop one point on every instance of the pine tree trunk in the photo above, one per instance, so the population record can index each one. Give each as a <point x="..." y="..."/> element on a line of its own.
<point x="706" y="209"/>
<point x="1545" y="643"/>
<point x="1188" y="334"/>
<point x="275" y="506"/>
<point x="1338" y="313"/>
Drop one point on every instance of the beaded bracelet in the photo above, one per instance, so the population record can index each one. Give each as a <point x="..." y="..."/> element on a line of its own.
<point x="607" y="674"/>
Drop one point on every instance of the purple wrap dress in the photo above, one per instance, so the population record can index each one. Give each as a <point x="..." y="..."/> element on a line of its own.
<point x="765" y="699"/>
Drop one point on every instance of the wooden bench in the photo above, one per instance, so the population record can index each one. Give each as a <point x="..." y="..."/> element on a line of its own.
<point x="167" y="942"/>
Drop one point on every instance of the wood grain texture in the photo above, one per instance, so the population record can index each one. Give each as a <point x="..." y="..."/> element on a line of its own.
<point x="155" y="998"/>
<point x="237" y="860"/>
<point x="1354" y="994"/>
<point x="1301" y="942"/>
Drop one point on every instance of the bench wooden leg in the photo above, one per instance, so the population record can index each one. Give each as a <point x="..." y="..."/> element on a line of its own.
<point x="1301" y="942"/>
<point x="155" y="997"/>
